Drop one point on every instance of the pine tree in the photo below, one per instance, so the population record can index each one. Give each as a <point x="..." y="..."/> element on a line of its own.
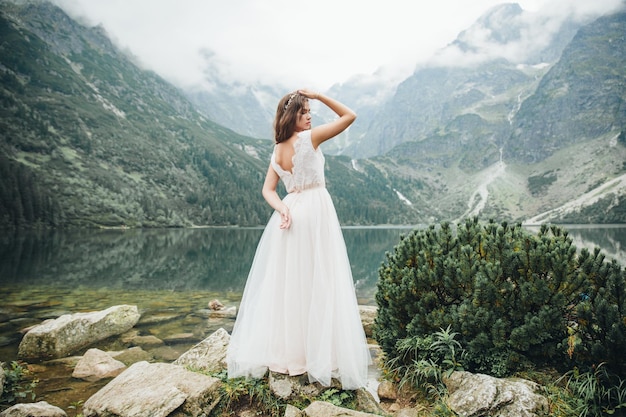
<point x="516" y="299"/>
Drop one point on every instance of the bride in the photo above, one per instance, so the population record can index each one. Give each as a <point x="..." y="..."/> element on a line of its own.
<point x="299" y="312"/>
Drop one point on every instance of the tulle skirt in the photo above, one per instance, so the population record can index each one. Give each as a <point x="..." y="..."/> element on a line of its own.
<point x="299" y="312"/>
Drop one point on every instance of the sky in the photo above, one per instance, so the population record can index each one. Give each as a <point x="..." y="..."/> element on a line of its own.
<point x="297" y="44"/>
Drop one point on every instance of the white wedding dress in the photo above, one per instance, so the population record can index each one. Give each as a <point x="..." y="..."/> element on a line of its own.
<point x="299" y="311"/>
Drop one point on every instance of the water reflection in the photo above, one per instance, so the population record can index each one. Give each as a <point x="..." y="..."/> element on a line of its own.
<point x="133" y="259"/>
<point x="215" y="260"/>
<point x="610" y="238"/>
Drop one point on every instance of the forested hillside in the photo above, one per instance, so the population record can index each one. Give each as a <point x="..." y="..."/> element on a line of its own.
<point x="89" y="139"/>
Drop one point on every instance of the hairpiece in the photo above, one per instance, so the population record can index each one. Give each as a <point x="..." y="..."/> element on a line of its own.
<point x="291" y="97"/>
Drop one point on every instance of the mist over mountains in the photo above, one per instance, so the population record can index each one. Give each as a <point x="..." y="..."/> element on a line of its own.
<point x="89" y="139"/>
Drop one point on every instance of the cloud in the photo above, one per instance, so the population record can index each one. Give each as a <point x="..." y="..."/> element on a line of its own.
<point x="533" y="30"/>
<point x="294" y="44"/>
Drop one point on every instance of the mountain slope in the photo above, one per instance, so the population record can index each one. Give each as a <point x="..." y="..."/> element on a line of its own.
<point x="582" y="96"/>
<point x="110" y="143"/>
<point x="512" y="141"/>
<point x="88" y="139"/>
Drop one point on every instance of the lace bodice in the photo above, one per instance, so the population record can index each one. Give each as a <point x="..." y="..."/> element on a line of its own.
<point x="308" y="165"/>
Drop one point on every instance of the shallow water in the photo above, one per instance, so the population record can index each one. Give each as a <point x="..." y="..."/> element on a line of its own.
<point x="164" y="314"/>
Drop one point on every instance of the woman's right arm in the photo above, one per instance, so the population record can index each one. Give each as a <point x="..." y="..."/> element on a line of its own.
<point x="322" y="133"/>
<point x="273" y="199"/>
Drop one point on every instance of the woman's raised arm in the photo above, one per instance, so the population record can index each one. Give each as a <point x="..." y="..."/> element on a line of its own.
<point x="322" y="133"/>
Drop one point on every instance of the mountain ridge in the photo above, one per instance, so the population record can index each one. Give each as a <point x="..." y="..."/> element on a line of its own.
<point x="91" y="140"/>
<point x="108" y="144"/>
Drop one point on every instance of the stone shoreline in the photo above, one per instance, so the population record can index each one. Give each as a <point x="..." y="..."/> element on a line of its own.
<point x="140" y="386"/>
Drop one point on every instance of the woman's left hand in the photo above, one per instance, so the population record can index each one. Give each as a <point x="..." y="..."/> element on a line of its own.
<point x="308" y="93"/>
<point x="285" y="218"/>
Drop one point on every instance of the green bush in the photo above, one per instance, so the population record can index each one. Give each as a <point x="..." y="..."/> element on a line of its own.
<point x="517" y="300"/>
<point x="17" y="386"/>
<point x="425" y="361"/>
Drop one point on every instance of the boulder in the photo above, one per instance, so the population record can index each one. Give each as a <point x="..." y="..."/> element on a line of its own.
<point x="146" y="342"/>
<point x="291" y="387"/>
<point x="474" y="395"/>
<point x="325" y="409"/>
<point x="288" y="387"/>
<point x="387" y="390"/>
<point x="39" y="409"/>
<point x="180" y="338"/>
<point x="208" y="355"/>
<point x="227" y="312"/>
<point x="166" y="353"/>
<point x="132" y="355"/>
<point x="158" y="318"/>
<point x="71" y="332"/>
<point x="292" y="411"/>
<point x="366" y="402"/>
<point x="96" y="364"/>
<point x="368" y="315"/>
<point x="155" y="390"/>
<point x="407" y="412"/>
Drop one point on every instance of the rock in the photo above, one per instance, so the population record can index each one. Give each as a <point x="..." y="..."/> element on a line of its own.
<point x="366" y="402"/>
<point x="96" y="364"/>
<point x="158" y="318"/>
<point x="132" y="355"/>
<point x="127" y="337"/>
<point x="71" y="332"/>
<point x="394" y="408"/>
<point x="166" y="353"/>
<point x="208" y="355"/>
<point x="324" y="409"/>
<point x="216" y="305"/>
<point x="285" y="386"/>
<point x="155" y="390"/>
<point x="387" y="390"/>
<point x="180" y="338"/>
<point x="407" y="412"/>
<point x="228" y="312"/>
<point x="203" y="312"/>
<point x="368" y="315"/>
<point x="473" y="395"/>
<point x="291" y="411"/>
<point x="40" y="409"/>
<point x="148" y="341"/>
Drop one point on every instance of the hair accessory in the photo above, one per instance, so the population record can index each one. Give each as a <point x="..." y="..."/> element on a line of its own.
<point x="290" y="100"/>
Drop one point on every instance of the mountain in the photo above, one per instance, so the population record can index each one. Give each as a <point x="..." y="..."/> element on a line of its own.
<point x="248" y="109"/>
<point x="88" y="139"/>
<point x="583" y="95"/>
<point x="487" y="71"/>
<point x="495" y="125"/>
<point x="519" y="140"/>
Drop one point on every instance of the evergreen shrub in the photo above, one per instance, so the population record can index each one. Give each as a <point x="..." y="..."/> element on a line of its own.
<point x="517" y="300"/>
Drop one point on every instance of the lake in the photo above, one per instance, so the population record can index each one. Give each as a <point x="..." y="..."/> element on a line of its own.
<point x="167" y="273"/>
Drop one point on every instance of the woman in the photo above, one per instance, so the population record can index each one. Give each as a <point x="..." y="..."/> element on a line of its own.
<point x="299" y="312"/>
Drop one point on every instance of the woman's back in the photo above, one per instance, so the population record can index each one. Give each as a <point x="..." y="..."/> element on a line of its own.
<point x="307" y="164"/>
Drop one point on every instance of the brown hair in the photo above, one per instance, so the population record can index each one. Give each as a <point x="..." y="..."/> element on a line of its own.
<point x="286" y="115"/>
